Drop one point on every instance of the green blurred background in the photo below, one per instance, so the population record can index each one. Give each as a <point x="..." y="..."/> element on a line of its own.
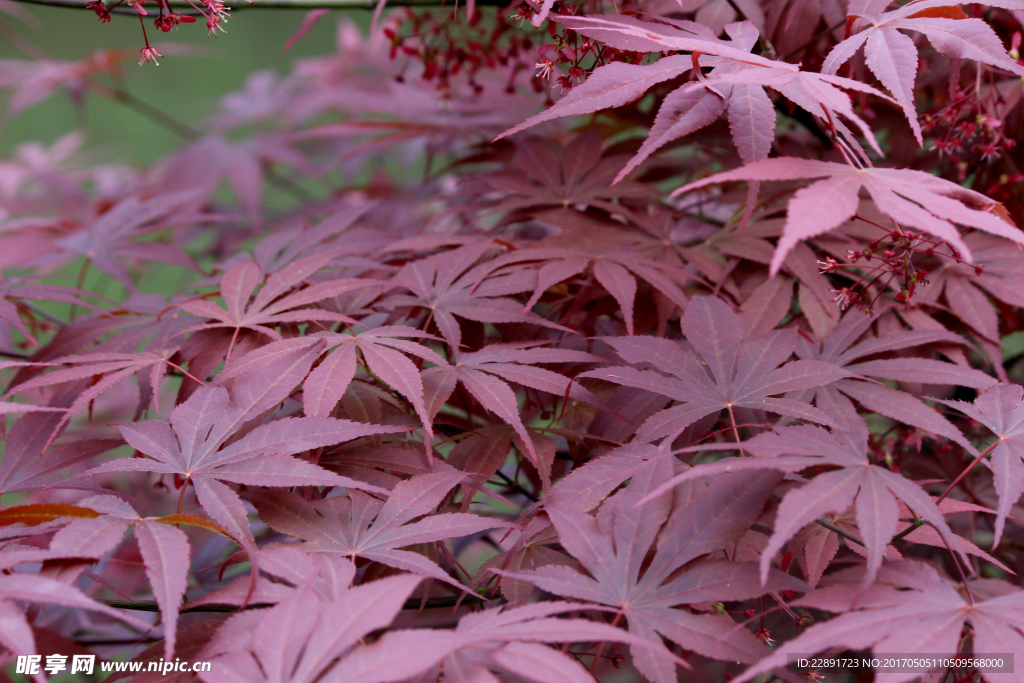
<point x="184" y="86"/>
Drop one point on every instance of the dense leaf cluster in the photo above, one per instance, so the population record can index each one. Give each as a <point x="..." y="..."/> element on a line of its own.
<point x="382" y="397"/>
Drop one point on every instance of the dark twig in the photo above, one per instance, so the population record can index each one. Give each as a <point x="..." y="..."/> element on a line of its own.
<point x="515" y="486"/>
<point x="831" y="527"/>
<point x="42" y="313"/>
<point x="146" y="109"/>
<point x="414" y="603"/>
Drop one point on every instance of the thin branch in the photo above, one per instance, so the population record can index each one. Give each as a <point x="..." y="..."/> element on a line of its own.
<point x="822" y="522"/>
<point x="970" y="467"/>
<point x="124" y="97"/>
<point x="304" y="5"/>
<point x="845" y="534"/>
<point x="513" y="485"/>
<point x="116" y="641"/>
<point x="182" y="129"/>
<point x="151" y="606"/>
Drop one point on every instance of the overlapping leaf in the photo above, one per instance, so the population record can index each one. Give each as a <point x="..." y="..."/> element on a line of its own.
<point x="27" y="464"/>
<point x="364" y="291"/>
<point x="192" y="443"/>
<point x="736" y="84"/>
<point x="613" y="546"/>
<point x="912" y="611"/>
<point x="486" y="373"/>
<point x="511" y="640"/>
<point x="113" y="236"/>
<point x="966" y="291"/>
<point x="845" y="348"/>
<point x="165" y="552"/>
<point x="449" y="287"/>
<point x="360" y="526"/>
<point x="893" y="57"/>
<point x="873" y="490"/>
<point x="15" y="631"/>
<point x="275" y="303"/>
<point x="14" y="289"/>
<point x="578" y="176"/>
<point x="300" y="639"/>
<point x="107" y="370"/>
<point x="614" y="268"/>
<point x="1001" y="409"/>
<point x="912" y="198"/>
<point x="740" y="373"/>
